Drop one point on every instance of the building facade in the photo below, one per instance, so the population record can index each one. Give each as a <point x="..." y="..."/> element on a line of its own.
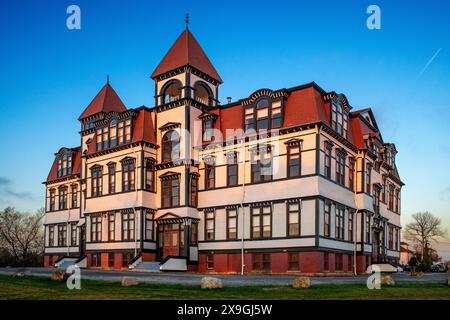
<point x="289" y="180"/>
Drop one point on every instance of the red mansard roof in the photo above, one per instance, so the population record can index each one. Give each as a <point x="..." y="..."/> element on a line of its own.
<point x="143" y="130"/>
<point x="105" y="101"/>
<point x="53" y="174"/>
<point x="186" y="51"/>
<point x="143" y="127"/>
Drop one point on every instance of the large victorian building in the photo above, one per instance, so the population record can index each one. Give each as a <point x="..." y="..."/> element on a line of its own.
<point x="289" y="180"/>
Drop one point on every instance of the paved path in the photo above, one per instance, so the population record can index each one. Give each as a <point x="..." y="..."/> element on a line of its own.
<point x="229" y="280"/>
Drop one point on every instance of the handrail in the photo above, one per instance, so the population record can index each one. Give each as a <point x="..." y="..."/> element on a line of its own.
<point x="81" y="258"/>
<point x="132" y="263"/>
<point x="166" y="258"/>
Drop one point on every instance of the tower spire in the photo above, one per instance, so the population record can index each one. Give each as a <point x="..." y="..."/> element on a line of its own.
<point x="187" y="20"/>
<point x="107" y="79"/>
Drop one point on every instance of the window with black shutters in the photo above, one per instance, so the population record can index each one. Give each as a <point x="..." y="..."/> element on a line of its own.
<point x="149" y="175"/>
<point x="128" y="175"/>
<point x="368" y="177"/>
<point x="261" y="222"/>
<point x="209" y="225"/>
<point x="232" y="170"/>
<point x="112" y="178"/>
<point x="96" y="181"/>
<point x="327" y="161"/>
<point x="170" y="192"/>
<point x="74" y="197"/>
<point x="62" y="198"/>
<point x="350" y="225"/>
<point x="351" y="173"/>
<point x="52" y="200"/>
<point x="340" y="168"/>
<point x="149" y="226"/>
<point x="73" y="234"/>
<point x="232" y="224"/>
<point x="327" y="219"/>
<point x="62" y="235"/>
<point x="210" y="176"/>
<point x="261" y="166"/>
<point x="294" y="161"/>
<point x="339" y="223"/>
<point x="96" y="228"/>
<point x="111" y="226"/>
<point x="293" y="219"/>
<point x="51" y="236"/>
<point x="127" y="226"/>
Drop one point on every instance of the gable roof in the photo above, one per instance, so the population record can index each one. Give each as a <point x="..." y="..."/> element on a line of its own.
<point x="105" y="101"/>
<point x="186" y="51"/>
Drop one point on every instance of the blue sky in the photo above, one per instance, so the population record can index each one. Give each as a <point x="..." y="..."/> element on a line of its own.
<point x="48" y="74"/>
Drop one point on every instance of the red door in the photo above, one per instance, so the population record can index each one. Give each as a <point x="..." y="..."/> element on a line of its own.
<point x="171" y="243"/>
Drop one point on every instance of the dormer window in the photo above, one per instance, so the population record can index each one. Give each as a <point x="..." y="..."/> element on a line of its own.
<point x="117" y="133"/>
<point x="113" y="133"/>
<point x="64" y="165"/>
<point x="339" y="119"/>
<point x="389" y="157"/>
<point x="264" y="114"/>
<point x="375" y="149"/>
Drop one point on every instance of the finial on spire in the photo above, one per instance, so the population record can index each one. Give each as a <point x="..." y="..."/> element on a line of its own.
<point x="107" y="79"/>
<point x="187" y="20"/>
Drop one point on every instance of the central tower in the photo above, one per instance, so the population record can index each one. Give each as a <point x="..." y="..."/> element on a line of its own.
<point x="186" y="87"/>
<point x="186" y="72"/>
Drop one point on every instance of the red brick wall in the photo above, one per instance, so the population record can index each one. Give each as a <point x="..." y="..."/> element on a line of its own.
<point x="48" y="261"/>
<point x="310" y="262"/>
<point x="104" y="260"/>
<point x="146" y="256"/>
<point x="361" y="265"/>
<point x="117" y="261"/>
<point x="279" y="262"/>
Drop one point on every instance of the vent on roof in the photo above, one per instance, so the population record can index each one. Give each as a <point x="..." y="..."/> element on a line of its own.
<point x="228" y="99"/>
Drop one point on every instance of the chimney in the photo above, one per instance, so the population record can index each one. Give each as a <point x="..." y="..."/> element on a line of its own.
<point x="228" y="99"/>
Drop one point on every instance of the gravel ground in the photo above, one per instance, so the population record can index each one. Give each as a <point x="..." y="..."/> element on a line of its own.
<point x="228" y="280"/>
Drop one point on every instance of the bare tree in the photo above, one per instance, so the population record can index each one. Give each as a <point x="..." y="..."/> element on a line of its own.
<point x="21" y="234"/>
<point x="424" y="229"/>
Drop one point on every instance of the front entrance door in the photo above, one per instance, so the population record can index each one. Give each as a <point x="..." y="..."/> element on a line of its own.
<point x="171" y="244"/>
<point x="375" y="247"/>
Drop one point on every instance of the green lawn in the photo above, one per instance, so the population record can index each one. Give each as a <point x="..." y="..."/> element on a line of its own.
<point x="44" y="288"/>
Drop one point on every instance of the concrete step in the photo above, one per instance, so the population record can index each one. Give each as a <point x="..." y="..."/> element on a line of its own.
<point x="147" y="266"/>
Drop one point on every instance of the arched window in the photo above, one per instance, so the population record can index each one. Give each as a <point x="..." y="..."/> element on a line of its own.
<point x="171" y="146"/>
<point x="172" y="92"/>
<point x="202" y="94"/>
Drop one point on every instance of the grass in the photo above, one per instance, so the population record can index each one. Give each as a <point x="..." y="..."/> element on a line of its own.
<point x="41" y="288"/>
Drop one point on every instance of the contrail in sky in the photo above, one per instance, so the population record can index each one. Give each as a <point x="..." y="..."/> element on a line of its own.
<point x="430" y="61"/>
